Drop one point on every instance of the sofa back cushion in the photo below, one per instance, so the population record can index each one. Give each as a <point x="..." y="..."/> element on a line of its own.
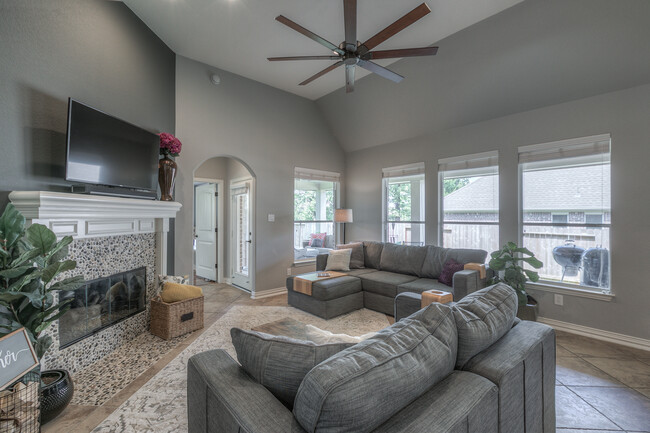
<point x="372" y="253"/>
<point x="436" y="257"/>
<point x="361" y="387"/>
<point x="403" y="259"/>
<point x="482" y="318"/>
<point x="356" y="259"/>
<point x="280" y="363"/>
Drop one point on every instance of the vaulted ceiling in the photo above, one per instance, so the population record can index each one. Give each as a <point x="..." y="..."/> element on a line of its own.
<point x="238" y="35"/>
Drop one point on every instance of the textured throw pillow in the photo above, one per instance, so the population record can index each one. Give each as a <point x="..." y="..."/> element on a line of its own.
<point x="313" y="236"/>
<point x="280" y="363"/>
<point x="482" y="318"/>
<point x="317" y="243"/>
<point x="450" y="267"/>
<point x="162" y="279"/>
<point x="356" y="258"/>
<point x="339" y="260"/>
<point x="361" y="387"/>
<point x="173" y="292"/>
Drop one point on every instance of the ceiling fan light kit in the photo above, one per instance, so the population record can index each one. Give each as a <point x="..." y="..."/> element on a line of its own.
<point x="352" y="53"/>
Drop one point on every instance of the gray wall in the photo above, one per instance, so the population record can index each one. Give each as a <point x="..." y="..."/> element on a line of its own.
<point x="227" y="170"/>
<point x="623" y="114"/>
<point x="98" y="52"/>
<point x="271" y="132"/>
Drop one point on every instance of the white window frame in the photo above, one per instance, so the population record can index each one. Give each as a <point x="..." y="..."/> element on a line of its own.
<point x="476" y="164"/>
<point x="587" y="147"/>
<point x="317" y="175"/>
<point x="402" y="171"/>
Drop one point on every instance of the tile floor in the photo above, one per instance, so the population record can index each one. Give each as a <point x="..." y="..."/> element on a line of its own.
<point x="601" y="387"/>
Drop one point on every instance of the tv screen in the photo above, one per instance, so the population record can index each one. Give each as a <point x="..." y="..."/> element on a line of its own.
<point x="104" y="150"/>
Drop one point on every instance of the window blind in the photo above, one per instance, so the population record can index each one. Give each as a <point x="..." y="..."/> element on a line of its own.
<point x="478" y="164"/>
<point x="403" y="170"/>
<point x="239" y="189"/>
<point x="595" y="148"/>
<point x="311" y="174"/>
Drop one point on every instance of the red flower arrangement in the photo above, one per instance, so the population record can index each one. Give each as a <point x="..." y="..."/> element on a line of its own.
<point x="169" y="145"/>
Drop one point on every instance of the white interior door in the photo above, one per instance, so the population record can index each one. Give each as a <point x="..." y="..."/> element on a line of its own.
<point x="241" y="234"/>
<point x="206" y="231"/>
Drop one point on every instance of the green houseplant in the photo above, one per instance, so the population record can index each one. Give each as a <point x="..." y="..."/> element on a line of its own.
<point x="508" y="264"/>
<point x="30" y="261"/>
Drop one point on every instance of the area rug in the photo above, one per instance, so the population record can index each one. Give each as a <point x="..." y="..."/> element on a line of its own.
<point x="160" y="406"/>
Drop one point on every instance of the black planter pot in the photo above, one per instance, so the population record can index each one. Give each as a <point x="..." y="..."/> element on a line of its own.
<point x="55" y="394"/>
<point x="528" y="311"/>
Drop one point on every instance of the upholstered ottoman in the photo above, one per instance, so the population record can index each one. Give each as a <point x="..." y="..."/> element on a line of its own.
<point x="329" y="298"/>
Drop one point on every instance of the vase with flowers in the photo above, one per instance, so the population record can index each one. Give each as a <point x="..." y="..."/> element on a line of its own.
<point x="169" y="146"/>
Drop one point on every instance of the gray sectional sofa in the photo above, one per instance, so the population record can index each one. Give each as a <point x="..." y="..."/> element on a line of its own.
<point x="468" y="367"/>
<point x="387" y="270"/>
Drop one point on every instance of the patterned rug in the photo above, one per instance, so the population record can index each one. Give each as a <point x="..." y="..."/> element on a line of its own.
<point x="160" y="406"/>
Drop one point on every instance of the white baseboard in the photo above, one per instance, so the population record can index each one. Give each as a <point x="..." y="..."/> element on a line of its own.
<point x="597" y="334"/>
<point x="269" y="293"/>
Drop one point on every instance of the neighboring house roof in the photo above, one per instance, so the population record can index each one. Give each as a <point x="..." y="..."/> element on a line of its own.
<point x="562" y="190"/>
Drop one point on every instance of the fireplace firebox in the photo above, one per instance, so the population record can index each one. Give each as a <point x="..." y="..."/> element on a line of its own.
<point x="101" y="303"/>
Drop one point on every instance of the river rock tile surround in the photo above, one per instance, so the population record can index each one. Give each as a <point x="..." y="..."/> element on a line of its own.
<point x="98" y="257"/>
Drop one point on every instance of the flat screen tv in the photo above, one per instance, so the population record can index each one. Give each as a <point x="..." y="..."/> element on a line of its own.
<point x="104" y="150"/>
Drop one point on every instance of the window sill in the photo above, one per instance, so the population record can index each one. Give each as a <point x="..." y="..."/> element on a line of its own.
<point x="304" y="263"/>
<point x="571" y="291"/>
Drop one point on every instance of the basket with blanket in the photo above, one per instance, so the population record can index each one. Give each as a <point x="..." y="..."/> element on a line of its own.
<point x="178" y="309"/>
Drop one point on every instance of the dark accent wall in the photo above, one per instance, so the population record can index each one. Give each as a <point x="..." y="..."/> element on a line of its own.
<point x="95" y="51"/>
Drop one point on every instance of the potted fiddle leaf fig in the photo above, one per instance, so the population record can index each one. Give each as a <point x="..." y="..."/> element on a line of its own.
<point x="31" y="263"/>
<point x="508" y="264"/>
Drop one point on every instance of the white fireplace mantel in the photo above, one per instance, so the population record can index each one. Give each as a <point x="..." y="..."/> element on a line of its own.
<point x="86" y="216"/>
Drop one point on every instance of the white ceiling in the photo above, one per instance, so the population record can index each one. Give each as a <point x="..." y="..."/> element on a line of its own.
<point x="238" y="35"/>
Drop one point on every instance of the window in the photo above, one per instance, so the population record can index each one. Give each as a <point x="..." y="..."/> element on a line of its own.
<point x="314" y="200"/>
<point x="566" y="211"/>
<point x="403" y="204"/>
<point x="469" y="205"/>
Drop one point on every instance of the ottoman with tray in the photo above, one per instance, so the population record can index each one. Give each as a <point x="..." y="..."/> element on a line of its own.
<point x="329" y="297"/>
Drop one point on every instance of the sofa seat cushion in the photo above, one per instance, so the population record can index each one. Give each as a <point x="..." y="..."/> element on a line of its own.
<point x="357" y="272"/>
<point x="265" y="357"/>
<point x="358" y="389"/>
<point x="482" y="318"/>
<point x="403" y="259"/>
<point x="334" y="288"/>
<point x="384" y="283"/>
<point x="420" y="285"/>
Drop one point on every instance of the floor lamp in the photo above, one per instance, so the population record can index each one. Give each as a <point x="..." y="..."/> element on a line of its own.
<point x="343" y="216"/>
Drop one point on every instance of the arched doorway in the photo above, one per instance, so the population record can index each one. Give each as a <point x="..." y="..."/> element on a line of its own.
<point x="224" y="228"/>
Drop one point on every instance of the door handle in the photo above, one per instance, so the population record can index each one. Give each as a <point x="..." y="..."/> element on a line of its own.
<point x="249" y="241"/>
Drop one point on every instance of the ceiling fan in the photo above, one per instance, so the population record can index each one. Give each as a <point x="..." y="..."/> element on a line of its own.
<point x="352" y="53"/>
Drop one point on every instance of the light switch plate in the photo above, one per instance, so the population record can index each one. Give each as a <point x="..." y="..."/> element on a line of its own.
<point x="271" y="217"/>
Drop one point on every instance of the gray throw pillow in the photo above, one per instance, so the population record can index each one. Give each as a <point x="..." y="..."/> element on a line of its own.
<point x="482" y="318"/>
<point x="361" y="387"/>
<point x="280" y="363"/>
<point x="356" y="259"/>
<point x="338" y="260"/>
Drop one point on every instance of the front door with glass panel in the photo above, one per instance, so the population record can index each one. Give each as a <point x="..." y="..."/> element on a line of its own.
<point x="241" y="235"/>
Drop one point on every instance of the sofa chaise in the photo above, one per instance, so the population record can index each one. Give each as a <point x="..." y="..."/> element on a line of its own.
<point x="384" y="271"/>
<point x="468" y="367"/>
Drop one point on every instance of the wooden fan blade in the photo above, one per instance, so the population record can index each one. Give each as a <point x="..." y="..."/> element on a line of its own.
<point x="311" y="35"/>
<point x="323" y="72"/>
<point x="380" y="70"/>
<point x="350" y="19"/>
<point x="396" y="27"/>
<point x="349" y="78"/>
<point x="406" y="52"/>
<point x="276" y="59"/>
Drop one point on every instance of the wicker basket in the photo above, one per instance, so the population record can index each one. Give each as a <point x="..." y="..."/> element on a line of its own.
<point x="178" y="318"/>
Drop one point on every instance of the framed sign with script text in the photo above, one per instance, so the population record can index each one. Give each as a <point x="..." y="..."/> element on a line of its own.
<point x="17" y="357"/>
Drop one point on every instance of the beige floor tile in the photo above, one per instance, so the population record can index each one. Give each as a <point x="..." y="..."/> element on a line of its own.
<point x="573" y="430"/>
<point x="627" y="408"/>
<point x="574" y="412"/>
<point x="584" y="346"/>
<point x="644" y="391"/>
<point x="561" y="351"/>
<point x="629" y="371"/>
<point x="576" y="371"/>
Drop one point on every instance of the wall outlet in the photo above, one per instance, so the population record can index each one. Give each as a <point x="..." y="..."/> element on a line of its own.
<point x="288" y="271"/>
<point x="558" y="299"/>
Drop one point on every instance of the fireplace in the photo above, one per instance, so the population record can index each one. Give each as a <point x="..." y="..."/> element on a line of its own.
<point x="101" y="303"/>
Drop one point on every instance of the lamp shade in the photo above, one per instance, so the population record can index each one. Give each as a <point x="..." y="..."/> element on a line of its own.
<point x="343" y="215"/>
